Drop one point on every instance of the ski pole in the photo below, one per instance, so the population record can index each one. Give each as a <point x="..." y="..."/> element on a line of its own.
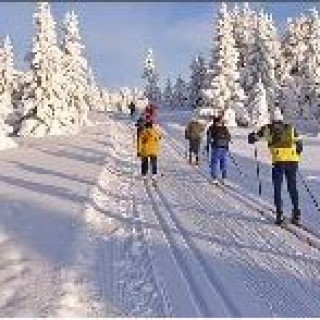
<point x="315" y="202"/>
<point x="258" y="170"/>
<point x="236" y="164"/>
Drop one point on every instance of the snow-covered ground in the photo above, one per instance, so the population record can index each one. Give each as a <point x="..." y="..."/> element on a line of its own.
<point x="82" y="235"/>
<point x="244" y="173"/>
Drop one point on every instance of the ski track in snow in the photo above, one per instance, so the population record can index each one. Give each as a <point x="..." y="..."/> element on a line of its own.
<point x="208" y="294"/>
<point x="297" y="305"/>
<point x="80" y="296"/>
<point x="12" y="268"/>
<point x="19" y="283"/>
<point x="140" y="286"/>
<point x="139" y="289"/>
<point x="123" y="271"/>
<point x="177" y="247"/>
<point x="265" y="237"/>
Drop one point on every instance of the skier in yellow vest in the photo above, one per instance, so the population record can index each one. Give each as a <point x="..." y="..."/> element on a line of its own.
<point x="149" y="148"/>
<point x="285" y="148"/>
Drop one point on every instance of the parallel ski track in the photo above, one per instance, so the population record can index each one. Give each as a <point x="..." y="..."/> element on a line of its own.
<point x="163" y="306"/>
<point x="246" y="200"/>
<point x="159" y="302"/>
<point x="213" y="282"/>
<point x="280" y="286"/>
<point x="196" y="293"/>
<point x="253" y="204"/>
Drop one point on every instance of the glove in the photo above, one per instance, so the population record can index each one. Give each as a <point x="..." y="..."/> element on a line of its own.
<point x="252" y="138"/>
<point x="299" y="147"/>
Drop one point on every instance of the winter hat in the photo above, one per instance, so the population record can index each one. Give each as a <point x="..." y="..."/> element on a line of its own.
<point x="277" y="115"/>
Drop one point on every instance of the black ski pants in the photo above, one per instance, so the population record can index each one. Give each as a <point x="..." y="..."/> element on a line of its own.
<point x="289" y="170"/>
<point x="194" y="148"/>
<point x="145" y="165"/>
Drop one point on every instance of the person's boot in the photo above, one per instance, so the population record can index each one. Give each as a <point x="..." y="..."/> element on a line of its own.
<point x="190" y="159"/>
<point x="296" y="217"/>
<point x="197" y="160"/>
<point x="279" y="218"/>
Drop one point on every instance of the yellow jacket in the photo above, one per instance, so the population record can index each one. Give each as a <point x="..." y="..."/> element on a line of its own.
<point x="148" y="142"/>
<point x="282" y="151"/>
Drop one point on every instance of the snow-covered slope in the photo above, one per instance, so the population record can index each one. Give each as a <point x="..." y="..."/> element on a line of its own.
<point x="82" y="235"/>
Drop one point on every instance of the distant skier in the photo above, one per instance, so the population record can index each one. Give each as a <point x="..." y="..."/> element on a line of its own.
<point x="193" y="133"/>
<point x="285" y="148"/>
<point x="150" y="113"/>
<point x="139" y="125"/>
<point x="218" y="139"/>
<point x="132" y="109"/>
<point x="149" y="148"/>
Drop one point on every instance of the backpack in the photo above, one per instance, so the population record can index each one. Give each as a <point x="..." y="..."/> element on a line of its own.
<point x="217" y="133"/>
<point x="281" y="135"/>
<point x="146" y="138"/>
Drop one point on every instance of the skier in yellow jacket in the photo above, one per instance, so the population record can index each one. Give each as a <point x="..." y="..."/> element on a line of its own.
<point x="285" y="148"/>
<point x="149" y="148"/>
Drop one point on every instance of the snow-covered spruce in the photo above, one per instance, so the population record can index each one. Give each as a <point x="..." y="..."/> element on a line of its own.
<point x="197" y="81"/>
<point x="93" y="92"/>
<point x="44" y="99"/>
<point x="258" y="106"/>
<point x="180" y="94"/>
<point x="75" y="71"/>
<point x="6" y="91"/>
<point x="224" y="90"/>
<point x="152" y="90"/>
<point x="167" y="95"/>
<point x="299" y="94"/>
<point x="263" y="58"/>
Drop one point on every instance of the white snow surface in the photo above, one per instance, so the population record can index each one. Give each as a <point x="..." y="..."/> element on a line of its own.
<point x="82" y="235"/>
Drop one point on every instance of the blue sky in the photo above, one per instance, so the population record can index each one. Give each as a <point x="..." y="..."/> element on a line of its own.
<point x="117" y="35"/>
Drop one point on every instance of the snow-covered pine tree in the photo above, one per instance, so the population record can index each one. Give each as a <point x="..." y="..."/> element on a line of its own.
<point x="180" y="94"/>
<point x="152" y="90"/>
<point x="293" y="46"/>
<point x="311" y="67"/>
<point x="293" y="50"/>
<point x="198" y="81"/>
<point x="75" y="71"/>
<point x="289" y="99"/>
<point x="18" y="89"/>
<point x="243" y="25"/>
<point x="93" y="98"/>
<point x="44" y="98"/>
<point x="258" y="106"/>
<point x="224" y="90"/>
<point x="167" y="95"/>
<point x="6" y="91"/>
<point x="106" y="101"/>
<point x="300" y="94"/>
<point x="263" y="59"/>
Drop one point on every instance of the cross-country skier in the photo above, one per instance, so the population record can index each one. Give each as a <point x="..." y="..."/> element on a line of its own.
<point x="193" y="134"/>
<point x="132" y="109"/>
<point x="149" y="148"/>
<point x="150" y="113"/>
<point x="285" y="148"/>
<point x="218" y="139"/>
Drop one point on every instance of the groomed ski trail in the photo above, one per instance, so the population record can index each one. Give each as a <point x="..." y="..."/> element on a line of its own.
<point x="178" y="248"/>
<point x="260" y="255"/>
<point x="268" y="238"/>
<point x="111" y="253"/>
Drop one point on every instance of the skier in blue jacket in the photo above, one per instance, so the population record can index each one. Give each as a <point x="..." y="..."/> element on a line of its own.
<point x="218" y="138"/>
